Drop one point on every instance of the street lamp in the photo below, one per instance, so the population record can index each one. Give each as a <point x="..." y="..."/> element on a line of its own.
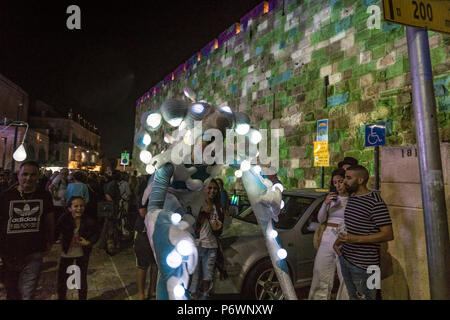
<point x="20" y="154"/>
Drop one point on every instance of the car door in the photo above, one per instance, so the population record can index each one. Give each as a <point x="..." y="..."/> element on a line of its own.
<point x="303" y="243"/>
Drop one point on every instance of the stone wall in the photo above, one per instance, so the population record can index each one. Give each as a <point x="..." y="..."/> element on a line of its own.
<point x="275" y="70"/>
<point x="405" y="266"/>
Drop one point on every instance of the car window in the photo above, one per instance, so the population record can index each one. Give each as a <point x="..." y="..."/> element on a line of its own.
<point x="313" y="223"/>
<point x="293" y="210"/>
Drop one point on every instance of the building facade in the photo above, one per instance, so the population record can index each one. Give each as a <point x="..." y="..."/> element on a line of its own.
<point x="14" y="106"/>
<point x="73" y="142"/>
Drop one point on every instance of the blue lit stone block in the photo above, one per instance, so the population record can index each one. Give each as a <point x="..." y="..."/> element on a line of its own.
<point x="337" y="99"/>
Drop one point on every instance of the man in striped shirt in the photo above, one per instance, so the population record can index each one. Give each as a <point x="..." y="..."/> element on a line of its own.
<point x="368" y="224"/>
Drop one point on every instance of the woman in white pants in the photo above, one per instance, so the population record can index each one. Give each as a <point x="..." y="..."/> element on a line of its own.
<point x="327" y="260"/>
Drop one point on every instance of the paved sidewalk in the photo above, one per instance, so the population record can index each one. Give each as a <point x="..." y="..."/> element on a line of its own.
<point x="109" y="278"/>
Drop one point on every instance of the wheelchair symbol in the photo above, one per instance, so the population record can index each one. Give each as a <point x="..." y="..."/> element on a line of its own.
<point x="373" y="137"/>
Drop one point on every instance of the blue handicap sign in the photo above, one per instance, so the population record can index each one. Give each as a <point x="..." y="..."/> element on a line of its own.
<point x="322" y="130"/>
<point x="375" y="134"/>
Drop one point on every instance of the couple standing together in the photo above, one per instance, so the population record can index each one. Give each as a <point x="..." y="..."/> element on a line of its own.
<point x="354" y="246"/>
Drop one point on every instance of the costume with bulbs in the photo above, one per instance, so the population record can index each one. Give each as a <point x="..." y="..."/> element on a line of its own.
<point x="176" y="190"/>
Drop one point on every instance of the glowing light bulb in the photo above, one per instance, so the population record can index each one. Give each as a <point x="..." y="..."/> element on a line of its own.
<point x="150" y="169"/>
<point x="154" y="120"/>
<point x="282" y="204"/>
<point x="145" y="156"/>
<point x="175" y="122"/>
<point x="188" y="139"/>
<point x="175" y="218"/>
<point x="179" y="291"/>
<point x="257" y="169"/>
<point x="242" y="129"/>
<point x="174" y="259"/>
<point x="184" y="247"/>
<point x="282" y="254"/>
<point x="226" y="109"/>
<point x="245" y="165"/>
<point x="198" y="108"/>
<point x="255" y="137"/>
<point x="20" y="154"/>
<point x="278" y="186"/>
<point x="147" y="139"/>
<point x="273" y="234"/>
<point x="238" y="173"/>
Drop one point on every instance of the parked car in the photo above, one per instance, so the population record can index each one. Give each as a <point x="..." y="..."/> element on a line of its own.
<point x="247" y="261"/>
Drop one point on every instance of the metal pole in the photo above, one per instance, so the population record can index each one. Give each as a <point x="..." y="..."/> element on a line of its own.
<point x="323" y="178"/>
<point x="377" y="168"/>
<point x="430" y="165"/>
<point x="13" y="163"/>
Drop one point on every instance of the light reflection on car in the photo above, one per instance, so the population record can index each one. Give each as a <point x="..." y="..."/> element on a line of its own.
<point x="247" y="261"/>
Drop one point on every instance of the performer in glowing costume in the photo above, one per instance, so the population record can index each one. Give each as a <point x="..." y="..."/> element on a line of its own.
<point x="176" y="189"/>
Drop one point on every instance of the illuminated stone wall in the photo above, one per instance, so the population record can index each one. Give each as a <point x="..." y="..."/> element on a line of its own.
<point x="275" y="70"/>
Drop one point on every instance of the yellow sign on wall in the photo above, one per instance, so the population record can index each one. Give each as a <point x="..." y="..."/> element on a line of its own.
<point x="321" y="154"/>
<point x="431" y="14"/>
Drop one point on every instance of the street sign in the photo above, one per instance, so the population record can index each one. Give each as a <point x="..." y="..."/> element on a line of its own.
<point x="375" y="134"/>
<point x="322" y="130"/>
<point x="321" y="154"/>
<point x="125" y="159"/>
<point x="431" y="14"/>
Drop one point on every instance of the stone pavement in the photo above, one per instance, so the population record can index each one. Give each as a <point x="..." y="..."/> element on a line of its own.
<point x="109" y="277"/>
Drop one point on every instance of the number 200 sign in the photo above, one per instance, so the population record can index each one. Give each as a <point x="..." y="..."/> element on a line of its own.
<point x="431" y="14"/>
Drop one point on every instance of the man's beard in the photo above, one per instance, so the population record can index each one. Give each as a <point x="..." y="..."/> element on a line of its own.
<point x="352" y="188"/>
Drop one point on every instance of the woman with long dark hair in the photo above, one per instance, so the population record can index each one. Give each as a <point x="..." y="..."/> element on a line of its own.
<point x="331" y="214"/>
<point x="79" y="234"/>
<point x="209" y="226"/>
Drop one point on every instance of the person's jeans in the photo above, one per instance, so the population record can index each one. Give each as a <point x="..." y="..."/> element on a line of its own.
<point x="356" y="281"/>
<point x="204" y="271"/>
<point x="22" y="276"/>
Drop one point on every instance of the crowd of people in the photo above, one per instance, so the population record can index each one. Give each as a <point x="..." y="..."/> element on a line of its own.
<point x="39" y="208"/>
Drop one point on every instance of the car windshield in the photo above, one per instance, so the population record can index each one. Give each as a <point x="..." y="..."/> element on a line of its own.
<point x="294" y="208"/>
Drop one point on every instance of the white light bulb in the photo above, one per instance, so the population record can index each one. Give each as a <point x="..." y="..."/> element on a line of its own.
<point x="282" y="204"/>
<point x="278" y="186"/>
<point x="282" y="254"/>
<point x="179" y="291"/>
<point x="147" y="139"/>
<point x="198" y="108"/>
<point x="174" y="259"/>
<point x="188" y="139"/>
<point x="242" y="129"/>
<point x="145" y="156"/>
<point x="255" y="137"/>
<point x="154" y="120"/>
<point x="245" y="165"/>
<point x="273" y="234"/>
<point x="184" y="247"/>
<point x="175" y="122"/>
<point x="175" y="218"/>
<point x="257" y="169"/>
<point x="238" y="173"/>
<point x="20" y="154"/>
<point x="226" y="109"/>
<point x="150" y="169"/>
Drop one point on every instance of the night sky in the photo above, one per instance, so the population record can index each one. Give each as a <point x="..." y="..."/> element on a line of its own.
<point x="122" y="50"/>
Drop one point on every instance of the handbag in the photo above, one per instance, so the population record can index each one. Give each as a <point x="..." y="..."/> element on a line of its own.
<point x="318" y="235"/>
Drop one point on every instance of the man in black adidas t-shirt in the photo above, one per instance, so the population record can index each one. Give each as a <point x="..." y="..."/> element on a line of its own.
<point x="368" y="224"/>
<point x="26" y="232"/>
